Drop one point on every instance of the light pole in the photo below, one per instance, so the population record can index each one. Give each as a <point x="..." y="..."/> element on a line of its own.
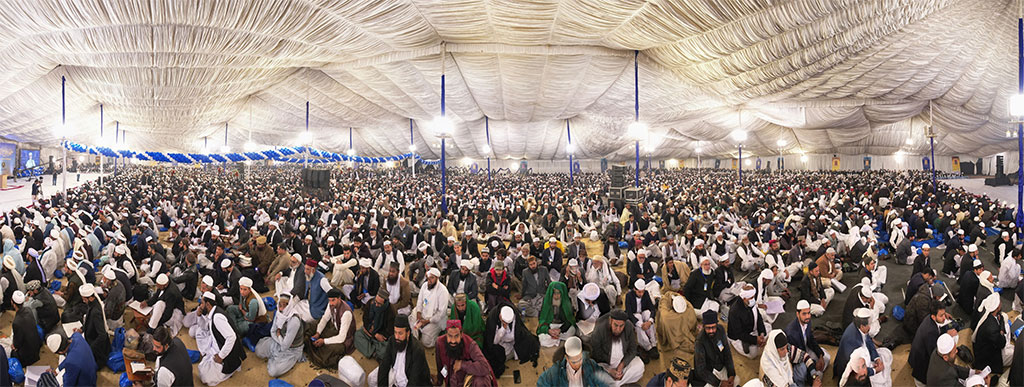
<point x="487" y="146"/>
<point x="444" y="129"/>
<point x="570" y="148"/>
<point x="63" y="139"/>
<point x="778" y="163"/>
<point x="412" y="149"/>
<point x="101" y="138"/>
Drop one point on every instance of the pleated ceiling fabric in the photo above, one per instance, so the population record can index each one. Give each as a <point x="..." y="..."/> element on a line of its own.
<point x="839" y="76"/>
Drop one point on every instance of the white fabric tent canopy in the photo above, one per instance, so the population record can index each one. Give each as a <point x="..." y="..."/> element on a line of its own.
<point x="842" y="76"/>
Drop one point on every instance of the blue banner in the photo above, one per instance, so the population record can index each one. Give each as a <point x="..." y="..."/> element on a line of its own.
<point x="867" y="163"/>
<point x="926" y="163"/>
<point x="757" y="164"/>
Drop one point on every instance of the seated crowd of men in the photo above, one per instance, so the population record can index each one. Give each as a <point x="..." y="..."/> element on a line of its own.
<point x="697" y="273"/>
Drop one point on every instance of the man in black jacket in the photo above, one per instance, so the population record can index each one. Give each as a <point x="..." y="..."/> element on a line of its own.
<point x="506" y="322"/>
<point x="404" y="362"/>
<point x="747" y="330"/>
<point x="26" y="343"/>
<point x="712" y="357"/>
<point x="611" y="328"/>
<point x="924" y="341"/>
<point x="173" y="367"/>
<point x="990" y="337"/>
<point x="94" y="325"/>
<point x="166" y="301"/>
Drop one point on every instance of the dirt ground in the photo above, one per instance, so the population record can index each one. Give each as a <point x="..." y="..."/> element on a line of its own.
<point x="253" y="371"/>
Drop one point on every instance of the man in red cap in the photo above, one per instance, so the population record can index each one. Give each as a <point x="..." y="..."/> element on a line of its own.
<point x="459" y="360"/>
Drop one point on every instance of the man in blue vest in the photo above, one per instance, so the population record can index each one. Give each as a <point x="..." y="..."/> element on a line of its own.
<point x="313" y="296"/>
<point x="79" y="365"/>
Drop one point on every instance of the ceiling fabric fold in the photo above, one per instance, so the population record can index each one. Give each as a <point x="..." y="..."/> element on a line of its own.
<point x="844" y="76"/>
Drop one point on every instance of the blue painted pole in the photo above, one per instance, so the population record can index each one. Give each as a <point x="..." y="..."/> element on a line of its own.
<point x="64" y="136"/>
<point x="412" y="142"/>
<point x="568" y="134"/>
<point x="117" y="134"/>
<point x="305" y="159"/>
<point x="739" y="164"/>
<point x="636" y="108"/>
<point x="444" y="167"/>
<point x="487" y="131"/>
<point x="101" y="138"/>
<point x="935" y="179"/>
<point x="1020" y="129"/>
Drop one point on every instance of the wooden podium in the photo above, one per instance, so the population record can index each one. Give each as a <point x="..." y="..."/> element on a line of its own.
<point x="3" y="181"/>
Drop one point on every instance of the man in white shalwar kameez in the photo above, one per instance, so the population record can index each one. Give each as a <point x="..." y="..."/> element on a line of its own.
<point x="431" y="310"/>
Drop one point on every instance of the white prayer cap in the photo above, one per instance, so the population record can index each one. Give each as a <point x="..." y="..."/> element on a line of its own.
<point x="862" y="313"/>
<point x="552" y="240"/>
<point x="466" y="264"/>
<point x="803" y="304"/>
<point x="699" y="242"/>
<point x="207" y="280"/>
<point x="990" y="304"/>
<point x="507" y="315"/>
<point x="209" y="296"/>
<point x="639" y="284"/>
<point x="121" y="249"/>
<point x="976" y="264"/>
<point x="689" y="232"/>
<point x="925" y="247"/>
<point x="573" y="347"/>
<point x="53" y="342"/>
<point x="982" y="224"/>
<point x="422" y="246"/>
<point x="273" y="223"/>
<point x="767" y="274"/>
<point x="33" y="252"/>
<point x="678" y="303"/>
<point x="830" y="251"/>
<point x="162" y="278"/>
<point x="109" y="274"/>
<point x="747" y="293"/>
<point x="433" y="272"/>
<point x="703" y="229"/>
<point x="87" y="290"/>
<point x="960" y="232"/>
<point x="225" y="263"/>
<point x="641" y="252"/>
<point x="215" y="233"/>
<point x="245" y="281"/>
<point x="54" y="234"/>
<point x="574" y="262"/>
<point x="945" y="343"/>
<point x="365" y="262"/>
<point x="387" y="243"/>
<point x="451" y="239"/>
<point x="1005" y="234"/>
<point x="9" y="262"/>
<point x="330" y="238"/>
<point x="865" y="292"/>
<point x="972" y="248"/>
<point x="974" y="380"/>
<point x="18" y="297"/>
<point x="590" y="291"/>
<point x="308" y="237"/>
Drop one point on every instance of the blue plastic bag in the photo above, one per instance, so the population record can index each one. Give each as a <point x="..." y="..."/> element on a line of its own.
<point x="115" y="361"/>
<point x="623" y="245"/>
<point x="42" y="335"/>
<point x="270" y="303"/>
<point x="194" y="356"/>
<point x="123" y="381"/>
<point x="14" y="369"/>
<point x="278" y="383"/>
<point x="58" y="274"/>
<point x="54" y="286"/>
<point x="898" y="313"/>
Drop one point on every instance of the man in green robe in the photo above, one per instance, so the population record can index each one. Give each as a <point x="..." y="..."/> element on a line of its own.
<point x="468" y="311"/>
<point x="556" y="321"/>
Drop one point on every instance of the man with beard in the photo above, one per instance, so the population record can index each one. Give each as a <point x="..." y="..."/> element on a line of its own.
<point x="404" y="362"/>
<point x="712" y="356"/>
<point x="389" y="254"/>
<point x="463" y="281"/>
<point x="556" y="321"/>
<point x="459" y="360"/>
<point x="308" y="249"/>
<point x="613" y="346"/>
<point x="222" y="355"/>
<point x="173" y="367"/>
<point x="10" y="282"/>
<point x="94" y="325"/>
<point x="430" y="309"/>
<point x="114" y="297"/>
<point x="168" y="306"/>
<point x="284" y="346"/>
<point x="497" y="286"/>
<point x="399" y="291"/>
<point x="506" y="337"/>
<point x="311" y="301"/>
<point x="574" y="369"/>
<point x="26" y="342"/>
<point x="378" y="318"/>
<point x="365" y="285"/>
<point x="535" y="282"/>
<point x="702" y="286"/>
<point x="468" y="312"/>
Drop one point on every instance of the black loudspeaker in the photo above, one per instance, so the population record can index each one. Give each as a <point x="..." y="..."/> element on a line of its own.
<point x="999" y="166"/>
<point x="323" y="179"/>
